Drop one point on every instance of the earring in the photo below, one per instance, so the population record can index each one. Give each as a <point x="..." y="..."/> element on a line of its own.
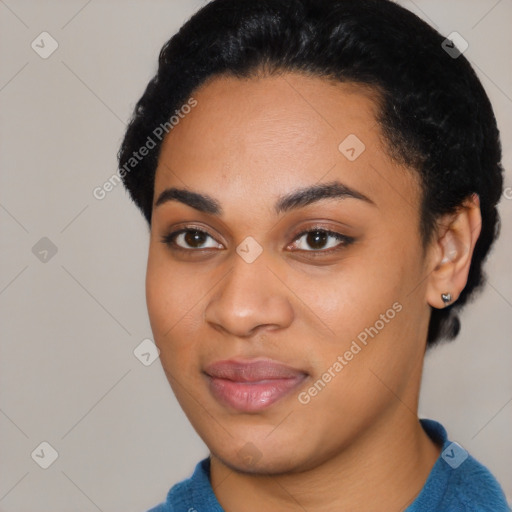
<point x="447" y="298"/>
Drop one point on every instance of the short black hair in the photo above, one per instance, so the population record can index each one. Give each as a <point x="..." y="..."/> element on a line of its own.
<point x="433" y="110"/>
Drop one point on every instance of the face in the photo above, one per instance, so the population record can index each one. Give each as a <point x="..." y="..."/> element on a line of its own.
<point x="286" y="277"/>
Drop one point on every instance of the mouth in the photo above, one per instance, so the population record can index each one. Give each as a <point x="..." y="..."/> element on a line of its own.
<point x="251" y="386"/>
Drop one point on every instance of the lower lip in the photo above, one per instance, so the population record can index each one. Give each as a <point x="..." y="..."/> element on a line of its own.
<point x="252" y="396"/>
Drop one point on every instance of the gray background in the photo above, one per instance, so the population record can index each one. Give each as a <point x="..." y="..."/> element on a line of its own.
<point x="68" y="373"/>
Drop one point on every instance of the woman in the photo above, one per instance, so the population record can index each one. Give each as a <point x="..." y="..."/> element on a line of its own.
<point x="320" y="179"/>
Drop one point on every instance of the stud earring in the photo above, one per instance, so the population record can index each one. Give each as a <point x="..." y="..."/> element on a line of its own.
<point x="447" y="298"/>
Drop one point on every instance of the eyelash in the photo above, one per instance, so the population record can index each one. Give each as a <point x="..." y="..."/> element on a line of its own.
<point x="344" y="240"/>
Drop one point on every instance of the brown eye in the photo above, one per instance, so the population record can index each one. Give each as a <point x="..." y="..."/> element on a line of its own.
<point x="190" y="239"/>
<point x="317" y="239"/>
<point x="321" y="241"/>
<point x="195" y="238"/>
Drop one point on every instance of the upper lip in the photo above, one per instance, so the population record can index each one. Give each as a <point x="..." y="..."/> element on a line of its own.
<point x="251" y="371"/>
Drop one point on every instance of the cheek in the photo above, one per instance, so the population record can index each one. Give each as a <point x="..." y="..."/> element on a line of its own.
<point x="367" y="311"/>
<point x="171" y="301"/>
<point x="160" y="298"/>
<point x="363" y="371"/>
<point x="351" y="297"/>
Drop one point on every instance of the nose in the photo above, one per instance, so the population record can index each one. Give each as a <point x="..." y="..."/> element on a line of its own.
<point x="249" y="297"/>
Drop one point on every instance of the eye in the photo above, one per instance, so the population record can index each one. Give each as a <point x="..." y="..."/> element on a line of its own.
<point x="188" y="239"/>
<point x="321" y="240"/>
<point x="316" y="240"/>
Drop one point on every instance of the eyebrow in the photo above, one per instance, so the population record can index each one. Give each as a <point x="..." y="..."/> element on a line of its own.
<point x="297" y="199"/>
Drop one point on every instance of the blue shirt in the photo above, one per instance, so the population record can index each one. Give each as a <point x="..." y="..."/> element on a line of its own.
<point x="456" y="483"/>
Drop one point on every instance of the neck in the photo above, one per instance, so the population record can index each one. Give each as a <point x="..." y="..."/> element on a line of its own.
<point x="384" y="469"/>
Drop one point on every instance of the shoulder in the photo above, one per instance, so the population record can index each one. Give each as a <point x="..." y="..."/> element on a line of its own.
<point x="457" y="481"/>
<point x="472" y="486"/>
<point x="193" y="494"/>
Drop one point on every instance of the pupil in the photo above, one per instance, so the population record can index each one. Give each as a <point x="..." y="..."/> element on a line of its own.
<point x="194" y="238"/>
<point x="317" y="239"/>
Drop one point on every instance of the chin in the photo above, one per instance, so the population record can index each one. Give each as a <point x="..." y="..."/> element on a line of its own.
<point x="283" y="458"/>
<point x="275" y="465"/>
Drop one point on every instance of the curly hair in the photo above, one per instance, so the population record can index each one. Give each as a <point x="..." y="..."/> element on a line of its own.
<point x="433" y="111"/>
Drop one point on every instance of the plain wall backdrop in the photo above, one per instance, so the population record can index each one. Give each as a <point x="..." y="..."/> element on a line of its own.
<point x="72" y="266"/>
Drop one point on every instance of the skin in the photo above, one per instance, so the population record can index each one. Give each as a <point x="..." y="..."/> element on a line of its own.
<point x="357" y="444"/>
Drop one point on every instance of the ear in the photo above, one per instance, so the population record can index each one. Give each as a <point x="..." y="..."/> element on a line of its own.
<point x="451" y="253"/>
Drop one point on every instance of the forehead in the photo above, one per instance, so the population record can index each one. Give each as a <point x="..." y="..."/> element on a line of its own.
<point x="292" y="108"/>
<point x="276" y="133"/>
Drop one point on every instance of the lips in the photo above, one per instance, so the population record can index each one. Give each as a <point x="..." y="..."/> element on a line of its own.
<point x="251" y="386"/>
